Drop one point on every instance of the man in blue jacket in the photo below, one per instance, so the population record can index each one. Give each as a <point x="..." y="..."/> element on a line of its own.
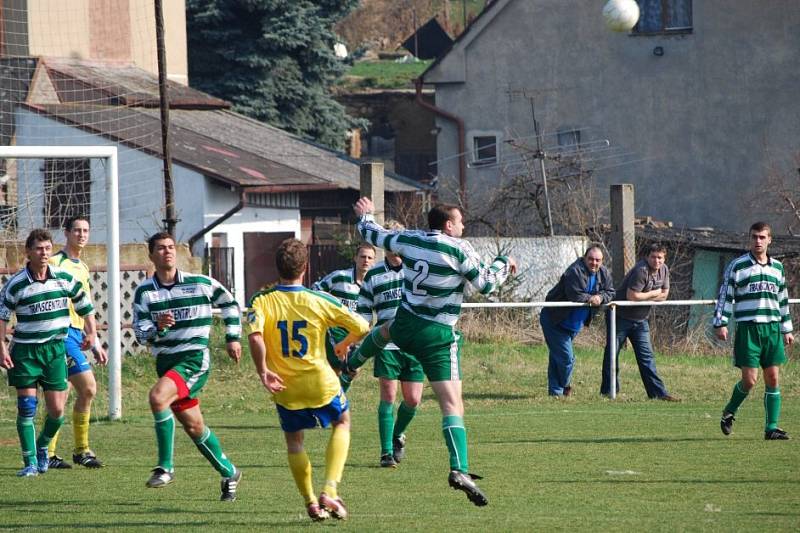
<point x="585" y="281"/>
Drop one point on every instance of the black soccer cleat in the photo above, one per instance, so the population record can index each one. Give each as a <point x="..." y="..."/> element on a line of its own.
<point x="776" y="434"/>
<point x="57" y="463"/>
<point x="387" y="461"/>
<point x="726" y="423"/>
<point x="87" y="459"/>
<point x="228" y="486"/>
<point x="465" y="482"/>
<point x="159" y="478"/>
<point x="399" y="445"/>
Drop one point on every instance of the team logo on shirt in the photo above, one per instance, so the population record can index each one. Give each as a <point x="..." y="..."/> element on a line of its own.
<point x="47" y="306"/>
<point x="762" y="286"/>
<point x="251" y="317"/>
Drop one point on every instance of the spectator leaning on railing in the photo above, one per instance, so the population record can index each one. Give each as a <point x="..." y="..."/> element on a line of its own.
<point x="647" y="281"/>
<point x="585" y="281"/>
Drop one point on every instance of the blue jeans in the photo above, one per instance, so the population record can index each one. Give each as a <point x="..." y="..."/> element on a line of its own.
<point x="562" y="358"/>
<point x="639" y="335"/>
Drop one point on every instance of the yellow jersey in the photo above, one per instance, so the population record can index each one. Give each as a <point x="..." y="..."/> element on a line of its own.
<point x="79" y="271"/>
<point x="293" y="321"/>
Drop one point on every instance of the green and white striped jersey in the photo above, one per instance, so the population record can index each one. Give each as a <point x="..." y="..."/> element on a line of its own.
<point x="190" y="300"/>
<point x="751" y="292"/>
<point x="381" y="292"/>
<point x="342" y="285"/>
<point x="435" y="269"/>
<point x="42" y="307"/>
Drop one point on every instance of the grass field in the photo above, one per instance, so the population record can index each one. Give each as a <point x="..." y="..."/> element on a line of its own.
<point x="385" y="74"/>
<point x="582" y="463"/>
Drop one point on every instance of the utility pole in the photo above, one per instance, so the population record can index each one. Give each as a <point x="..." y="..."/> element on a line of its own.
<point x="540" y="155"/>
<point x="169" y="194"/>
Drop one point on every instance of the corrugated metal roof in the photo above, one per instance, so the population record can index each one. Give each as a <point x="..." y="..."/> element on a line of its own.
<point x="111" y="83"/>
<point x="120" y="102"/>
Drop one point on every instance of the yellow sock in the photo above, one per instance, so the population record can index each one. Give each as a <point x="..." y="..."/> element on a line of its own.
<point x="301" y="472"/>
<point x="51" y="448"/>
<point x="80" y="430"/>
<point x="335" y="457"/>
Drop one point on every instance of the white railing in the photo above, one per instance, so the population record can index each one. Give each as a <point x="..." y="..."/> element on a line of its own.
<point x="612" y="334"/>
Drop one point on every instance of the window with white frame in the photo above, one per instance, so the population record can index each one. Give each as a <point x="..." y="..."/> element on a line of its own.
<point x="484" y="148"/>
<point x="664" y="16"/>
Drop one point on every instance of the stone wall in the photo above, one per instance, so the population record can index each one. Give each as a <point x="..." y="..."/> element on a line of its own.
<point x="541" y="262"/>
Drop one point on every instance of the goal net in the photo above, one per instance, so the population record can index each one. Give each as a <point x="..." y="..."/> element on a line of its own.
<point x="79" y="109"/>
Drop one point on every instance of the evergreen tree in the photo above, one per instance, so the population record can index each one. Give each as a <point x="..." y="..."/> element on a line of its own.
<point x="273" y="59"/>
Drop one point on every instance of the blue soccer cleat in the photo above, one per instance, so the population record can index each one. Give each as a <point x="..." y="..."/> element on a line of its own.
<point x="28" y="471"/>
<point x="43" y="460"/>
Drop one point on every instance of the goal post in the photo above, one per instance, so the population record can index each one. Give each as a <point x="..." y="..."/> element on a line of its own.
<point x="109" y="155"/>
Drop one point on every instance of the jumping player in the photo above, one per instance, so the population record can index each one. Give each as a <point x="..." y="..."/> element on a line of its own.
<point x="436" y="264"/>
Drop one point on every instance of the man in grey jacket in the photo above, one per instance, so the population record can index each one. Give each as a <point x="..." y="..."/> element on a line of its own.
<point x="585" y="281"/>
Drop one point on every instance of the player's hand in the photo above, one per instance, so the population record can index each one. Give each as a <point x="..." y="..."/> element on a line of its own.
<point x="5" y="359"/>
<point x="165" y="321"/>
<point x="272" y="381"/>
<point x="788" y="339"/>
<point x="364" y="206"/>
<point x="512" y="266"/>
<point x="722" y="333"/>
<point x="88" y="340"/>
<point x="341" y="349"/>
<point x="100" y="355"/>
<point x="234" y="350"/>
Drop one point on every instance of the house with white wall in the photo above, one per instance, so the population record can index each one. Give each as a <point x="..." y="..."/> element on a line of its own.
<point x="239" y="184"/>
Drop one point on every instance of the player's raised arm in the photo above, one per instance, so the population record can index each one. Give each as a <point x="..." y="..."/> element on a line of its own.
<point x="485" y="278"/>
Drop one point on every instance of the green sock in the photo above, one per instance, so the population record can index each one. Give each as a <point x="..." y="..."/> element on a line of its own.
<point x="165" y="438"/>
<point x="51" y="427"/>
<point x="455" y="435"/>
<point x="345" y="381"/>
<point x="772" y="407"/>
<point x="371" y="346"/>
<point x="385" y="425"/>
<point x="209" y="446"/>
<point x="738" y="396"/>
<point x="404" y="416"/>
<point x="27" y="439"/>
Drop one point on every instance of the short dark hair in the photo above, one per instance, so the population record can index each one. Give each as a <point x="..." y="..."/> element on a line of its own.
<point x="38" y="234"/>
<point x="594" y="246"/>
<point x="160" y="236"/>
<point x="761" y="226"/>
<point x="71" y="220"/>
<point x="655" y="248"/>
<point x="291" y="259"/>
<point x="440" y="214"/>
<point x="366" y="245"/>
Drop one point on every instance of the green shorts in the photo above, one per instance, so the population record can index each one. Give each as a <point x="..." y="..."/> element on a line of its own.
<point x="757" y="345"/>
<point x="333" y="337"/>
<point x="45" y="364"/>
<point x="189" y="371"/>
<point x="437" y="347"/>
<point x="398" y="365"/>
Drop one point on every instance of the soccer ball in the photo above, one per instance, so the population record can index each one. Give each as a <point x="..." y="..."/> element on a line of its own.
<point x="621" y="15"/>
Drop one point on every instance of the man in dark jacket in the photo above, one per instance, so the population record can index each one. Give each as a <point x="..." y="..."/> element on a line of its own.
<point x="585" y="281"/>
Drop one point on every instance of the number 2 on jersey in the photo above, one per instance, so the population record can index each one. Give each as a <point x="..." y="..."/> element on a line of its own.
<point x="297" y="325"/>
<point x="421" y="268"/>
